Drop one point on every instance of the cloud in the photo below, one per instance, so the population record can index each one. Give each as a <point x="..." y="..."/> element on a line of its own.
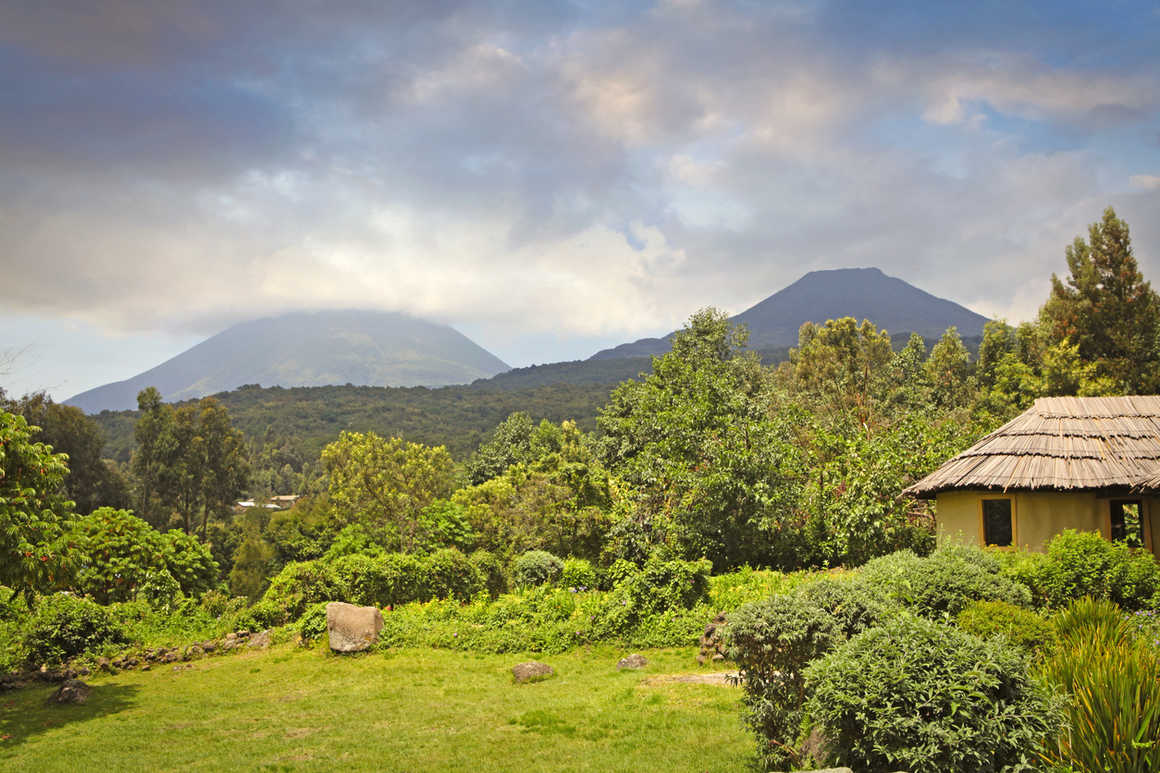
<point x="566" y="170"/>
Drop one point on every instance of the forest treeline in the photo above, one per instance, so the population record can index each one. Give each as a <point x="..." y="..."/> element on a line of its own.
<point x="711" y="454"/>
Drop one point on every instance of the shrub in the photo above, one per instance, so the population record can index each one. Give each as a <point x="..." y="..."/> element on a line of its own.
<point x="114" y="552"/>
<point x="939" y="586"/>
<point x="217" y="604"/>
<point x="190" y="562"/>
<point x="537" y="567"/>
<point x="299" y="584"/>
<point x="451" y="575"/>
<point x="354" y="538"/>
<point x="917" y="695"/>
<point x="1085" y="564"/>
<point x="772" y="641"/>
<point x="620" y="570"/>
<point x="160" y="590"/>
<point x="491" y="569"/>
<point x="1113" y="680"/>
<point x="312" y="625"/>
<point x="855" y="607"/>
<point x="661" y="585"/>
<point x="578" y="573"/>
<point x="267" y="613"/>
<point x="63" y="626"/>
<point x="1022" y="627"/>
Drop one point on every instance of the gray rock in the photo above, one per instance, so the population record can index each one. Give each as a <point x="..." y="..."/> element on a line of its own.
<point x="259" y="641"/>
<point x="531" y="671"/>
<point x="71" y="691"/>
<point x="633" y="661"/>
<point x="351" y="628"/>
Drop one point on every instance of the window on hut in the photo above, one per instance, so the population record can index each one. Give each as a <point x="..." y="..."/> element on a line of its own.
<point x="1127" y="526"/>
<point x="997" y="526"/>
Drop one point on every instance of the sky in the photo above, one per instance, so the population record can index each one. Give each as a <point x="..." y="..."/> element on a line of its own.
<point x="548" y="178"/>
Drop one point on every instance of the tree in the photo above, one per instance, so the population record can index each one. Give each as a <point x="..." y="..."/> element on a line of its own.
<point x="948" y="368"/>
<point x="91" y="482"/>
<point x="1106" y="308"/>
<point x="190" y="460"/>
<point x="384" y="483"/>
<point x="33" y="514"/>
<point x="509" y="443"/>
<point x="696" y="442"/>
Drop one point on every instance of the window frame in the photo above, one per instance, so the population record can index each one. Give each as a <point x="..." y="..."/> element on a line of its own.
<point x="1014" y="522"/>
<point x="1145" y="530"/>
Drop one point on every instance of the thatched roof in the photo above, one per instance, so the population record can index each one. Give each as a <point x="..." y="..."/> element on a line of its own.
<point x="1061" y="443"/>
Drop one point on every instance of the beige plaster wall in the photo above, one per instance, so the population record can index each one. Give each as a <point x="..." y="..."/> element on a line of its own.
<point x="1038" y="516"/>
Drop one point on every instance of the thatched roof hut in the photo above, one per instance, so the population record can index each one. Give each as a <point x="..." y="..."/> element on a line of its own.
<point x="1062" y="444"/>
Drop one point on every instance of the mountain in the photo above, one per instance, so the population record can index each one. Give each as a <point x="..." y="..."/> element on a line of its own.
<point x="309" y="349"/>
<point x="862" y="293"/>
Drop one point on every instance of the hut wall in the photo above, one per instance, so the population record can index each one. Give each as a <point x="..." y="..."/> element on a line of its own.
<point x="1038" y="516"/>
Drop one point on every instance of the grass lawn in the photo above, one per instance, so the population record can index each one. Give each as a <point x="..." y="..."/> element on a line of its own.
<point x="407" y="710"/>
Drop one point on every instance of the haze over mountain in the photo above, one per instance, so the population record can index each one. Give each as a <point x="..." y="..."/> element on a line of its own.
<point x="862" y="293"/>
<point x="309" y="349"/>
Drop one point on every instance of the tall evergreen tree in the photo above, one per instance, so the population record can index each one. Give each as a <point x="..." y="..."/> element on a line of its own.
<point x="1106" y="307"/>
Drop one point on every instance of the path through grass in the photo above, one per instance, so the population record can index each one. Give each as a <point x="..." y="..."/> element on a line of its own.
<point x="407" y="710"/>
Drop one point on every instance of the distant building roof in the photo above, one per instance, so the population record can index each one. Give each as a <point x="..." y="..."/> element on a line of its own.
<point x="1063" y="444"/>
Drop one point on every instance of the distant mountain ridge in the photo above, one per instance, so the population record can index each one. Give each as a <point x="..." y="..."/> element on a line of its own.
<point x="862" y="293"/>
<point x="365" y="348"/>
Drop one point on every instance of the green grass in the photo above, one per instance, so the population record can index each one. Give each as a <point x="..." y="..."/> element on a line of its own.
<point x="413" y="710"/>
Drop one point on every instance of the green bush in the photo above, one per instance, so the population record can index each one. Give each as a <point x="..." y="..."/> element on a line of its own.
<point x="578" y="573"/>
<point x="190" y="562"/>
<point x="1022" y="627"/>
<point x="312" y="625"/>
<point x="620" y="570"/>
<point x="160" y="590"/>
<point x="855" y="607"/>
<point x="299" y="584"/>
<point x="1085" y="564"/>
<point x="1112" y="679"/>
<point x="451" y="575"/>
<point x="537" y="567"/>
<point x="661" y="585"/>
<point x="217" y="604"/>
<point x="772" y="642"/>
<point x="267" y="613"/>
<point x="114" y="550"/>
<point x="941" y="585"/>
<point x="491" y="569"/>
<point x="63" y="626"/>
<point x="354" y="538"/>
<point x="916" y="695"/>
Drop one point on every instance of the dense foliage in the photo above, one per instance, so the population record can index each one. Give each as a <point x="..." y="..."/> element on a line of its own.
<point x="916" y="695"/>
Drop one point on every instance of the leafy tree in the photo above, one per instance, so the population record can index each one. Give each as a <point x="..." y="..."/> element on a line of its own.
<point x="91" y="482"/>
<point x="1106" y="308"/>
<point x="948" y="369"/>
<point x="509" y="443"/>
<point x="33" y="514"/>
<point x="117" y="552"/>
<point x="189" y="460"/>
<point x="695" y="441"/>
<point x="841" y="366"/>
<point x="385" y="483"/>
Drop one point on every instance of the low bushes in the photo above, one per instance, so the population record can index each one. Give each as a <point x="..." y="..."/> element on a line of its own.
<point x="920" y="696"/>
<point x="63" y="626"/>
<point x="940" y="586"/>
<point x="537" y="567"/>
<point x="1022" y="627"/>
<point x="1079" y="564"/>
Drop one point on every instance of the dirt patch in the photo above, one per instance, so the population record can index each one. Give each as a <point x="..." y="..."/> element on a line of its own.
<point x="721" y="678"/>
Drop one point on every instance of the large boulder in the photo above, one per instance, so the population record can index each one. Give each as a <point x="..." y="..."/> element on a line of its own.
<point x="351" y="628"/>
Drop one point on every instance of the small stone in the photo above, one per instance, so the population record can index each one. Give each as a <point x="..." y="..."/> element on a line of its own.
<point x="717" y="656"/>
<point x="633" y="661"/>
<point x="259" y="640"/>
<point x="531" y="671"/>
<point x="71" y="691"/>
